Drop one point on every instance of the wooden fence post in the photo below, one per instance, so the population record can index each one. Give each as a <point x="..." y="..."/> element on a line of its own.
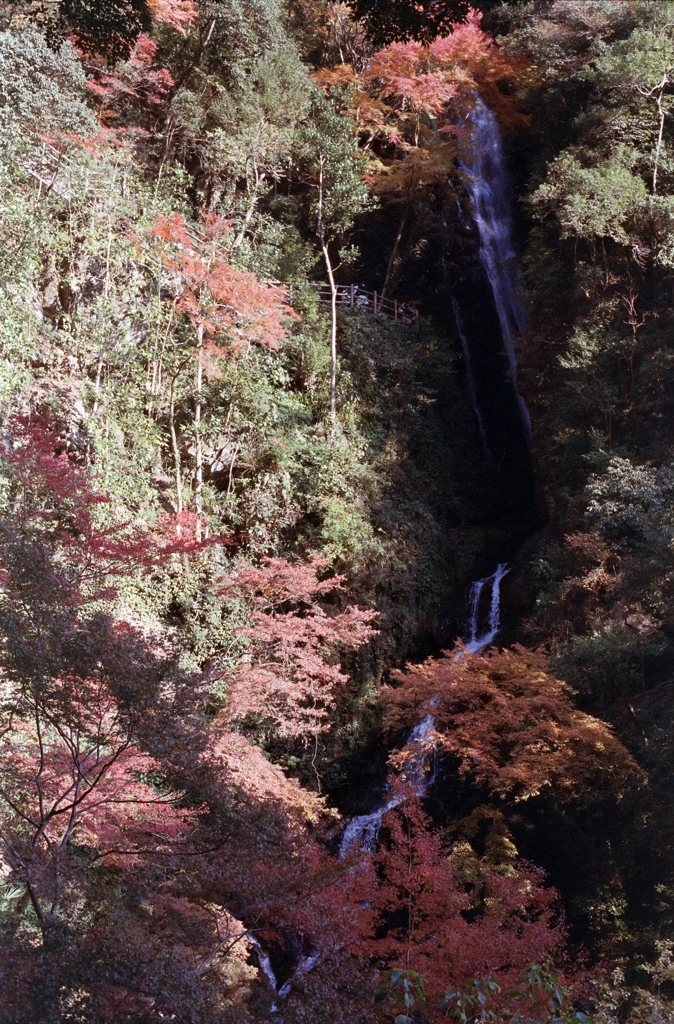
<point x="375" y="303"/>
<point x="353" y="288"/>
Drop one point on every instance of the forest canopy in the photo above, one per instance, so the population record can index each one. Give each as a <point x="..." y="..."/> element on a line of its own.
<point x="330" y="690"/>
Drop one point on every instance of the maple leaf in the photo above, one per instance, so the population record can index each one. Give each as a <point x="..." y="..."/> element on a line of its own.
<point x="294" y="674"/>
<point x="511" y="725"/>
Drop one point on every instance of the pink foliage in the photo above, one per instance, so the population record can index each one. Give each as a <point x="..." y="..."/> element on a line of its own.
<point x="177" y="14"/>
<point x="60" y="497"/>
<point x="75" y="778"/>
<point x="294" y="676"/>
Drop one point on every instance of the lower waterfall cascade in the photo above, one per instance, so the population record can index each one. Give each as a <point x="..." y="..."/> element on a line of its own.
<point x="364" y="829"/>
<point x="489" y="587"/>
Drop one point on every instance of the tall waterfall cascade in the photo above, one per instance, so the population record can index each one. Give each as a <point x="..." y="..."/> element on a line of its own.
<point x="483" y="163"/>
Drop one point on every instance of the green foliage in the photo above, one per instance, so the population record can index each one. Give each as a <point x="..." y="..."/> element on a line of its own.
<point x="474" y="1001"/>
<point x="594" y="202"/>
<point x="42" y="91"/>
<point x="328" y="150"/>
<point x="404" y="988"/>
<point x="239" y="129"/>
<point x="108" y="27"/>
<point x="467" y="1003"/>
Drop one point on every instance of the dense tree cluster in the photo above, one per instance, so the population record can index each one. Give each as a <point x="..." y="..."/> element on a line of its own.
<point x="237" y="524"/>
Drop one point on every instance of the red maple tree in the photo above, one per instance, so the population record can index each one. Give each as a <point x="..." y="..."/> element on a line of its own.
<point x="417" y="913"/>
<point x="294" y="674"/>
<point x="511" y="725"/>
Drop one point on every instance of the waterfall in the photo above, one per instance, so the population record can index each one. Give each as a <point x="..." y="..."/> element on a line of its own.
<point x="483" y="162"/>
<point x="364" y="829"/>
<point x="484" y="167"/>
<point x="265" y="964"/>
<point x="492" y="586"/>
<point x="304" y="965"/>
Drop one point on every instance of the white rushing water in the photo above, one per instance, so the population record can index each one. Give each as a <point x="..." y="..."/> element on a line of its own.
<point x="483" y="162"/>
<point x="265" y="964"/>
<point x="364" y="829"/>
<point x="485" y="618"/>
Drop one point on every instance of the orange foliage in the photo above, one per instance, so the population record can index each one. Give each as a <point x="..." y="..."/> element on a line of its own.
<point x="136" y="78"/>
<point x="404" y="81"/>
<point x="242" y="767"/>
<point x="511" y="725"/>
<point x="217" y="297"/>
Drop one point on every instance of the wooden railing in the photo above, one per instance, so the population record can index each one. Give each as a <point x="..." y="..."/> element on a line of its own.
<point x="47" y="164"/>
<point x="356" y="297"/>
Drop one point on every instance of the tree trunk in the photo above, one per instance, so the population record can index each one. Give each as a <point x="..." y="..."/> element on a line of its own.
<point x="182" y="78"/>
<point x="659" y="145"/>
<point x="394" y="251"/>
<point x="174" y="440"/>
<point x="197" y="432"/>
<point x="259" y="178"/>
<point x="333" y="331"/>
<point x="320" y="230"/>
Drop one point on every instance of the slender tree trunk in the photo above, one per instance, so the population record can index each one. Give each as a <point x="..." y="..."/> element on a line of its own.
<point x="174" y="439"/>
<point x="259" y="178"/>
<point x="97" y="385"/>
<point x="394" y="251"/>
<point x="198" y="490"/>
<point x="169" y="135"/>
<point x="203" y="43"/>
<point x="333" y="330"/>
<point x="320" y="228"/>
<point x="659" y="145"/>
